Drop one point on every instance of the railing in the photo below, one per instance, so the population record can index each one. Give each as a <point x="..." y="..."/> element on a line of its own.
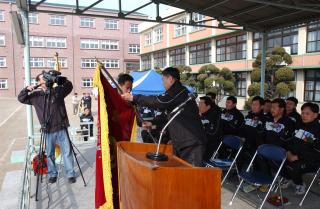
<point x="24" y="196"/>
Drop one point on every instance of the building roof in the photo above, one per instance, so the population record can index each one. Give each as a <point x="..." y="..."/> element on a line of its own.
<point x="254" y="15"/>
<point x="72" y="6"/>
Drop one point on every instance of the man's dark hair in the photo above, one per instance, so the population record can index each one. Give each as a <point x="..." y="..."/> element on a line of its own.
<point x="267" y="101"/>
<point x="233" y="99"/>
<point x="313" y="107"/>
<point x="207" y="100"/>
<point x="258" y="98"/>
<point x="212" y="95"/>
<point x="172" y="71"/>
<point x="123" y="77"/>
<point x="38" y="76"/>
<point x="293" y="99"/>
<point x="281" y="104"/>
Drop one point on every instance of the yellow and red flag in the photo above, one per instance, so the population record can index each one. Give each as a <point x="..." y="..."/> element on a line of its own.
<point x="117" y="122"/>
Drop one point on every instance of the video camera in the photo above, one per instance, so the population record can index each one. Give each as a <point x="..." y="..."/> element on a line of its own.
<point x="53" y="76"/>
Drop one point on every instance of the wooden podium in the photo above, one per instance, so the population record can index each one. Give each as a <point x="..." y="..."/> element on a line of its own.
<point x="172" y="184"/>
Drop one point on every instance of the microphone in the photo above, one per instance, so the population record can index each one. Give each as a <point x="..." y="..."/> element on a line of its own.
<point x="191" y="96"/>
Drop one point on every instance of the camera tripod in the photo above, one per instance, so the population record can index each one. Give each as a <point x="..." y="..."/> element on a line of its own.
<point x="43" y="139"/>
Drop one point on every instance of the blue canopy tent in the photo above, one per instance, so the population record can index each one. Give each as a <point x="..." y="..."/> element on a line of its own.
<point x="148" y="83"/>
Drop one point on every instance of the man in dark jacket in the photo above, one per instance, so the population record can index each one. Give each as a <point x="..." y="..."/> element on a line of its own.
<point x="279" y="130"/>
<point x="232" y="118"/>
<point x="186" y="132"/>
<point x="291" y="111"/>
<point x="304" y="150"/>
<point x="86" y="117"/>
<point x="52" y="115"/>
<point x="267" y="109"/>
<point x="211" y="121"/>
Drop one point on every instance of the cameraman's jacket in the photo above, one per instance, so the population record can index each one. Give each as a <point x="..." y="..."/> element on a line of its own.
<point x="186" y="129"/>
<point x="306" y="142"/>
<point x="53" y="116"/>
<point x="232" y="121"/>
<point x="279" y="133"/>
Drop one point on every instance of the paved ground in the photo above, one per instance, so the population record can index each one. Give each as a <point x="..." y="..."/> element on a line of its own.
<point x="65" y="196"/>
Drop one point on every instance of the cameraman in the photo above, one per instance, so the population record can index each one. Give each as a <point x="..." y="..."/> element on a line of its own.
<point x="53" y="118"/>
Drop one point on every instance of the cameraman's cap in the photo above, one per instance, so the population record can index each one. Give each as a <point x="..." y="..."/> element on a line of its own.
<point x="171" y="71"/>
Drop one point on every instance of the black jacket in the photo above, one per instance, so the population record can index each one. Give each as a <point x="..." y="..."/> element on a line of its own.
<point x="55" y="117"/>
<point x="296" y="118"/>
<point x="232" y="121"/>
<point x="211" y="121"/>
<point x="253" y="129"/>
<point x="279" y="133"/>
<point x="186" y="129"/>
<point x="306" y="142"/>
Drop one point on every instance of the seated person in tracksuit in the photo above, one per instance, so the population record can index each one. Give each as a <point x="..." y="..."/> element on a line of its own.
<point x="303" y="153"/>
<point x="210" y="118"/>
<point x="231" y="118"/>
<point x="253" y="131"/>
<point x="278" y="131"/>
<point x="232" y="122"/>
<point x="267" y="109"/>
<point x="291" y="111"/>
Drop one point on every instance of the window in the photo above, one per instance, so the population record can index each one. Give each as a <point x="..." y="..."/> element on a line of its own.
<point x="86" y="22"/>
<point x="33" y="18"/>
<point x="177" y="56"/>
<point x="232" y="48"/>
<point x="111" y="63"/>
<point x="180" y="30"/>
<point x="109" y="44"/>
<point x="33" y="82"/>
<point x="241" y="83"/>
<point x="36" y="62"/>
<point x="1" y="15"/>
<point x="89" y="44"/>
<point x="284" y="38"/>
<point x="3" y="62"/>
<point x="88" y="63"/>
<point x="57" y="20"/>
<point x="313" y="40"/>
<point x="130" y="66"/>
<point x="134" y="48"/>
<point x="158" y="35"/>
<point x="198" y="17"/>
<point x="36" y="41"/>
<point x="133" y="28"/>
<point x="3" y="83"/>
<point x="111" y="24"/>
<point x="160" y="59"/>
<point x="86" y="82"/>
<point x="51" y="62"/>
<point x="146" y="62"/>
<point x="2" y="40"/>
<point x="147" y="39"/>
<point x="200" y="53"/>
<point x="99" y="44"/>
<point x="53" y="42"/>
<point x="312" y="85"/>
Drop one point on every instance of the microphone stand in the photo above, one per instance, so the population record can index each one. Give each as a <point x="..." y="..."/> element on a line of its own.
<point x="157" y="156"/>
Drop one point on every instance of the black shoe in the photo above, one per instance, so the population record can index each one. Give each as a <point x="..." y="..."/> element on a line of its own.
<point x="72" y="180"/>
<point x="52" y="180"/>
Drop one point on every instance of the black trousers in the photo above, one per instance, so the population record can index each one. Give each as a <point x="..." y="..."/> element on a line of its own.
<point x="294" y="170"/>
<point x="192" y="154"/>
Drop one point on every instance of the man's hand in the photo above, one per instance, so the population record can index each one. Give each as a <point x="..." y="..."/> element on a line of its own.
<point x="127" y="97"/>
<point x="146" y="125"/>
<point x="291" y="157"/>
<point x="30" y="88"/>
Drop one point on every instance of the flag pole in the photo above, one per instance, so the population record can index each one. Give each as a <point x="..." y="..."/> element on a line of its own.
<point x="106" y="74"/>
